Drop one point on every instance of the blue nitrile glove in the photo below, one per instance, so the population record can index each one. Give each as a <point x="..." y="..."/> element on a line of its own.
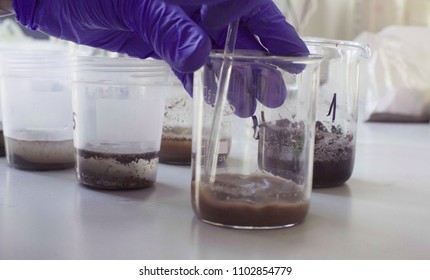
<point x="182" y="35"/>
<point x="257" y="18"/>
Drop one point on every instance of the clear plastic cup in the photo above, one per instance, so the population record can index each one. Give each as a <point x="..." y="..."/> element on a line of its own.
<point x="337" y="103"/>
<point x="15" y="48"/>
<point x="118" y="108"/>
<point x="243" y="188"/>
<point x="177" y="126"/>
<point x="37" y="108"/>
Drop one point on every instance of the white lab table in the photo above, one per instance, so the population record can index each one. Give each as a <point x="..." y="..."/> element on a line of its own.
<point x="383" y="212"/>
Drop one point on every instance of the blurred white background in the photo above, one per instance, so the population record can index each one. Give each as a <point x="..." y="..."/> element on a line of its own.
<point x="345" y="19"/>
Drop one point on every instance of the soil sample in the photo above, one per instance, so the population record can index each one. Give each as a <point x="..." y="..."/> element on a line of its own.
<point x="334" y="156"/>
<point x="280" y="149"/>
<point x="2" y="148"/>
<point x="176" y="146"/>
<point x="259" y="200"/>
<point x="175" y="150"/>
<point x="39" y="155"/>
<point x="280" y="152"/>
<point x="109" y="170"/>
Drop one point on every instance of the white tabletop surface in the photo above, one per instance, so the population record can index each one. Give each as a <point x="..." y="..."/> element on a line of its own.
<point x="383" y="212"/>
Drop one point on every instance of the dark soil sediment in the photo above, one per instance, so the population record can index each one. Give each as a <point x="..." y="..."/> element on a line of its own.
<point x="258" y="200"/>
<point x="39" y="155"/>
<point x="116" y="171"/>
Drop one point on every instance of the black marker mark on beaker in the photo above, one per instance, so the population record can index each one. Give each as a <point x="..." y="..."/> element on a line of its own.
<point x="255" y="127"/>
<point x="332" y="110"/>
<point x="74" y="120"/>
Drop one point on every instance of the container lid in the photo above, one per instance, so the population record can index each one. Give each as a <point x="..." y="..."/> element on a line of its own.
<point x="120" y="70"/>
<point x="35" y="59"/>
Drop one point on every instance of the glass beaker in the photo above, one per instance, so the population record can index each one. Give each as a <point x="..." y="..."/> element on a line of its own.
<point x="177" y="127"/>
<point x="337" y="102"/>
<point x="268" y="98"/>
<point x="37" y="108"/>
<point x="118" y="107"/>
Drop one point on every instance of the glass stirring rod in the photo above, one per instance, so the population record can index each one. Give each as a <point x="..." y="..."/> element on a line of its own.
<point x="224" y="82"/>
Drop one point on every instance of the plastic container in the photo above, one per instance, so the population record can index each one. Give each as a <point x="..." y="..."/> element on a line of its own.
<point x="337" y="103"/>
<point x="177" y="126"/>
<point x="37" y="111"/>
<point x="243" y="187"/>
<point x="118" y="107"/>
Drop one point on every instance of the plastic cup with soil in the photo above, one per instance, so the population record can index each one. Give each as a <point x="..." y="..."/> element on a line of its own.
<point x="250" y="201"/>
<point x="39" y="155"/>
<point x="100" y="168"/>
<point x="223" y="152"/>
<point x="176" y="146"/>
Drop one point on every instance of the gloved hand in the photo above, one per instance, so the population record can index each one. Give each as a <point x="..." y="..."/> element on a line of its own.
<point x="182" y="35"/>
<point x="249" y="81"/>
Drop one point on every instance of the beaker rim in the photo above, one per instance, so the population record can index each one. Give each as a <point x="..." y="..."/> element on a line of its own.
<point x="364" y="50"/>
<point x="253" y="55"/>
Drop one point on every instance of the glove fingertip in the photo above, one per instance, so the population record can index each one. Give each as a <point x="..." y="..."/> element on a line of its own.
<point x="240" y="98"/>
<point x="192" y="55"/>
<point x="268" y="86"/>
